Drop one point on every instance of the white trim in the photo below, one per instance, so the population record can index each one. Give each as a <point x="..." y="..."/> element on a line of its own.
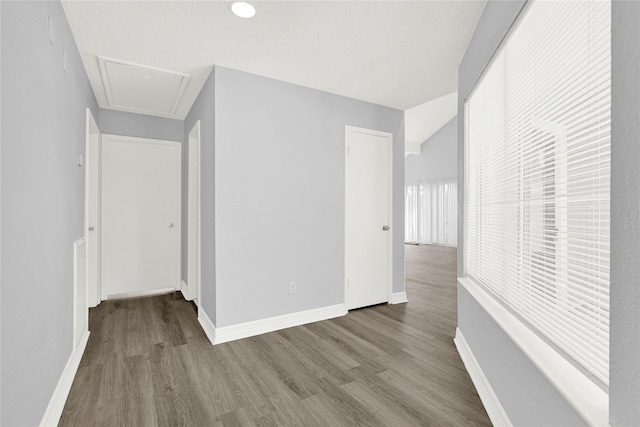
<point x="194" y="217"/>
<point x="80" y="270"/>
<point x="207" y="325"/>
<point x="184" y="290"/>
<point x="184" y="81"/>
<point x="398" y="298"/>
<point x="53" y="413"/>
<point x="141" y="293"/>
<point x="93" y="167"/>
<point x="491" y="403"/>
<point x="388" y="135"/>
<point x="257" y="327"/>
<point x="263" y="326"/>
<point x="137" y="139"/>
<point x="589" y="401"/>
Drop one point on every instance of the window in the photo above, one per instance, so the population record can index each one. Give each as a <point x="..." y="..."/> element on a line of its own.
<point x="430" y="210"/>
<point x="538" y="178"/>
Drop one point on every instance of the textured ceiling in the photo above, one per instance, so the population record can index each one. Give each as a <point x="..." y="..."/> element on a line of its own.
<point x="394" y="53"/>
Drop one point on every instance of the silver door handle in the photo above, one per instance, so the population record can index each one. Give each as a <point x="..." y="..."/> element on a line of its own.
<point x="385" y="227"/>
<point x="171" y="225"/>
<point x="91" y="228"/>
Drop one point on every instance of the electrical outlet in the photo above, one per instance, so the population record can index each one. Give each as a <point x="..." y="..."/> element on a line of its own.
<point x="292" y="288"/>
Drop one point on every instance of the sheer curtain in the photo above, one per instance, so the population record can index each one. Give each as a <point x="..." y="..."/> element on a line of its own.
<point x="431" y="212"/>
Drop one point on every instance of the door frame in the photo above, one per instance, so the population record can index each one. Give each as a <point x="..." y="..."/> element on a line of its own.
<point x="178" y="222"/>
<point x="194" y="215"/>
<point x="389" y="137"/>
<point x="95" y="286"/>
<point x="80" y="307"/>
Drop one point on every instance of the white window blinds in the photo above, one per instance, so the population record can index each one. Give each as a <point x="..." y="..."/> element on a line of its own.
<point x="538" y="171"/>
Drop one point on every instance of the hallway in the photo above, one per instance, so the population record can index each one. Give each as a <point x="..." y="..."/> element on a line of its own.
<point x="148" y="362"/>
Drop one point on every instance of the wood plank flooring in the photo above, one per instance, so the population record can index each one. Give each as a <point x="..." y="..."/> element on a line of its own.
<point x="149" y="363"/>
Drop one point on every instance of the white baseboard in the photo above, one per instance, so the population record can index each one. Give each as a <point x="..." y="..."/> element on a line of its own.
<point x="184" y="290"/>
<point x="249" y="329"/>
<point x="263" y="326"/>
<point x="152" y="292"/>
<point x="398" y="298"/>
<point x="208" y="326"/>
<point x="59" y="398"/>
<point x="491" y="403"/>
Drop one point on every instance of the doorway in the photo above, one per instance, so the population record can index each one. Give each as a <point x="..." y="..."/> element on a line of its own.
<point x="140" y="215"/>
<point x="368" y="234"/>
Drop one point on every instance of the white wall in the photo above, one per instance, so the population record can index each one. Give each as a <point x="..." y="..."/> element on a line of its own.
<point x="42" y="191"/>
<point x="279" y="194"/>
<point x="438" y="156"/>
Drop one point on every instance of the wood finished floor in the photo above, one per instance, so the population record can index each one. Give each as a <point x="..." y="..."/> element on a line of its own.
<point x="148" y="362"/>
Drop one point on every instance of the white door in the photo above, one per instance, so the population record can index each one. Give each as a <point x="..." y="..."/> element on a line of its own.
<point x="367" y="217"/>
<point x="140" y="214"/>
<point x="193" y="253"/>
<point x="92" y="211"/>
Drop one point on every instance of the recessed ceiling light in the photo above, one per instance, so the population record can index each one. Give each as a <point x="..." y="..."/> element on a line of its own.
<point x="242" y="9"/>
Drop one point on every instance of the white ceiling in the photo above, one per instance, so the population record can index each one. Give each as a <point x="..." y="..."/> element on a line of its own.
<point x="394" y="53"/>
<point x="421" y="122"/>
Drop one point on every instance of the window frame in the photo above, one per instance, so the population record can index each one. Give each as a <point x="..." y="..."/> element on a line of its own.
<point x="589" y="400"/>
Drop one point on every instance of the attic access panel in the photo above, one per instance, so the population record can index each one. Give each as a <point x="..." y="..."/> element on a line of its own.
<point x="142" y="89"/>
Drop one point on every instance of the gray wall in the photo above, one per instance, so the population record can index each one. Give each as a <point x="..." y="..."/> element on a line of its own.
<point x="204" y="110"/>
<point x="525" y="394"/>
<point x="505" y="366"/>
<point x="42" y="190"/>
<point x="140" y="125"/>
<point x="624" y="389"/>
<point x="279" y="179"/>
<point x="438" y="156"/>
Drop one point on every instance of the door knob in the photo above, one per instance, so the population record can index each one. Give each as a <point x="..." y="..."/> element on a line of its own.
<point x="91" y="228"/>
<point x="171" y="225"/>
<point x="385" y="227"/>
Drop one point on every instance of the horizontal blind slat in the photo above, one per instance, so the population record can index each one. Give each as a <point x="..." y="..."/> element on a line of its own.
<point x="538" y="169"/>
